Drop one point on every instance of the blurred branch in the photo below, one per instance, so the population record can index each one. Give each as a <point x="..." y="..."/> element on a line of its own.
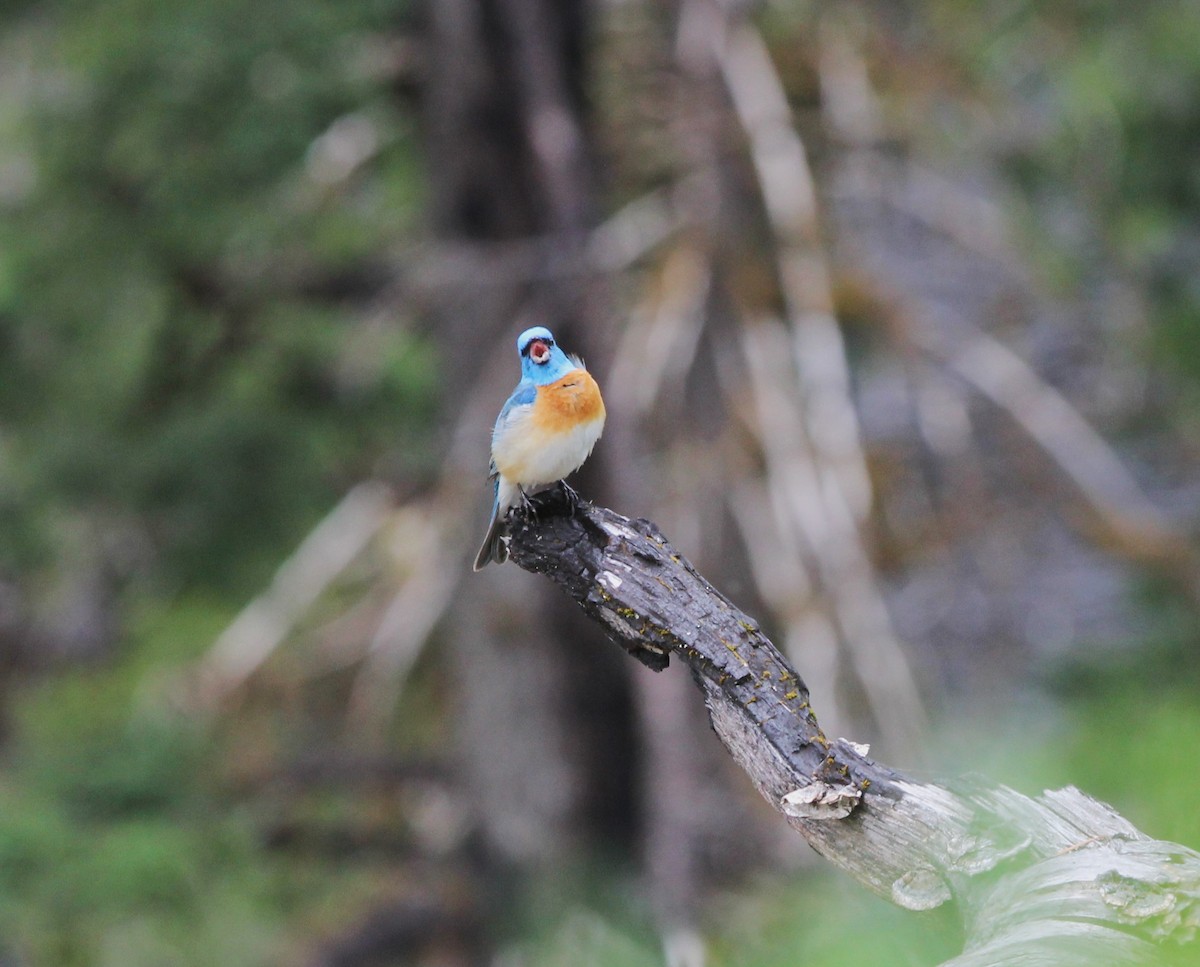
<point x="995" y="371"/>
<point x="1054" y="879"/>
<point x="789" y="195"/>
<point x="613" y="246"/>
<point x="811" y="440"/>
<point x="662" y="336"/>
<point x="428" y="556"/>
<point x="266" y="621"/>
<point x="967" y="217"/>
<point x="807" y="501"/>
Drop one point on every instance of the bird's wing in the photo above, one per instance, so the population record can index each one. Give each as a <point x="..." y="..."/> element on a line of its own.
<point x="523" y="395"/>
<point x="521" y="399"/>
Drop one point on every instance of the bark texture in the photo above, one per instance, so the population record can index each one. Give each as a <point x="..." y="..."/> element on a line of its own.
<point x="1054" y="879"/>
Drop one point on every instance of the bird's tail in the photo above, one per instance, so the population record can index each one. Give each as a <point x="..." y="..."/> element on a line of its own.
<point x="494" y="548"/>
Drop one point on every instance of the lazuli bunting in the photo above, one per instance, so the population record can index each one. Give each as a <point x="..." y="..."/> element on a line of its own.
<point x="544" y="432"/>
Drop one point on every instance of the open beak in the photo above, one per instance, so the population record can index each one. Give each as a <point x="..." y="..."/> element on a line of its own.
<point x="539" y="352"/>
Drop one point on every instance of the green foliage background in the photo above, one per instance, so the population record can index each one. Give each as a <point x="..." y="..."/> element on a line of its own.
<point x="177" y="359"/>
<point x="189" y="370"/>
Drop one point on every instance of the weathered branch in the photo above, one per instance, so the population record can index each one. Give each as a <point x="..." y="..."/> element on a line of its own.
<point x="1057" y="879"/>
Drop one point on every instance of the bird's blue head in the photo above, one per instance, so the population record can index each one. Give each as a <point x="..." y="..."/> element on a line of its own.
<point x="542" y="361"/>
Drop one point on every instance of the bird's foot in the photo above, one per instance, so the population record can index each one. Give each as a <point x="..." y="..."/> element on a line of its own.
<point x="528" y="507"/>
<point x="571" y="495"/>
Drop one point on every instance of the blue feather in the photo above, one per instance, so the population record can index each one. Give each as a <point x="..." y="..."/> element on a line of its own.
<point x="542" y="374"/>
<point x="523" y="395"/>
<point x="549" y="372"/>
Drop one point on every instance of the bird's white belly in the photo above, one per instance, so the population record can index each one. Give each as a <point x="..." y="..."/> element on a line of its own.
<point x="532" y="459"/>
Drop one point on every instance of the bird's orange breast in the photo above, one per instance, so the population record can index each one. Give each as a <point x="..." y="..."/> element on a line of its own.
<point x="568" y="402"/>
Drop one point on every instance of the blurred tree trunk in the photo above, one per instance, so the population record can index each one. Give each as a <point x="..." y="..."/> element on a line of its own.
<point x="545" y="720"/>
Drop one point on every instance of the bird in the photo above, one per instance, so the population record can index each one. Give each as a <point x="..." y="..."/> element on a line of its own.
<point x="545" y="431"/>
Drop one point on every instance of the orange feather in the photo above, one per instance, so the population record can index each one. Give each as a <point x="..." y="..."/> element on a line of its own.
<point x="566" y="403"/>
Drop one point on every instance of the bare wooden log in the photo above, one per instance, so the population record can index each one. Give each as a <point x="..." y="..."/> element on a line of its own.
<point x="1055" y="879"/>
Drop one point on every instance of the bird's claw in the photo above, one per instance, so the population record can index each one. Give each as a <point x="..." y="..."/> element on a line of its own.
<point x="571" y="494"/>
